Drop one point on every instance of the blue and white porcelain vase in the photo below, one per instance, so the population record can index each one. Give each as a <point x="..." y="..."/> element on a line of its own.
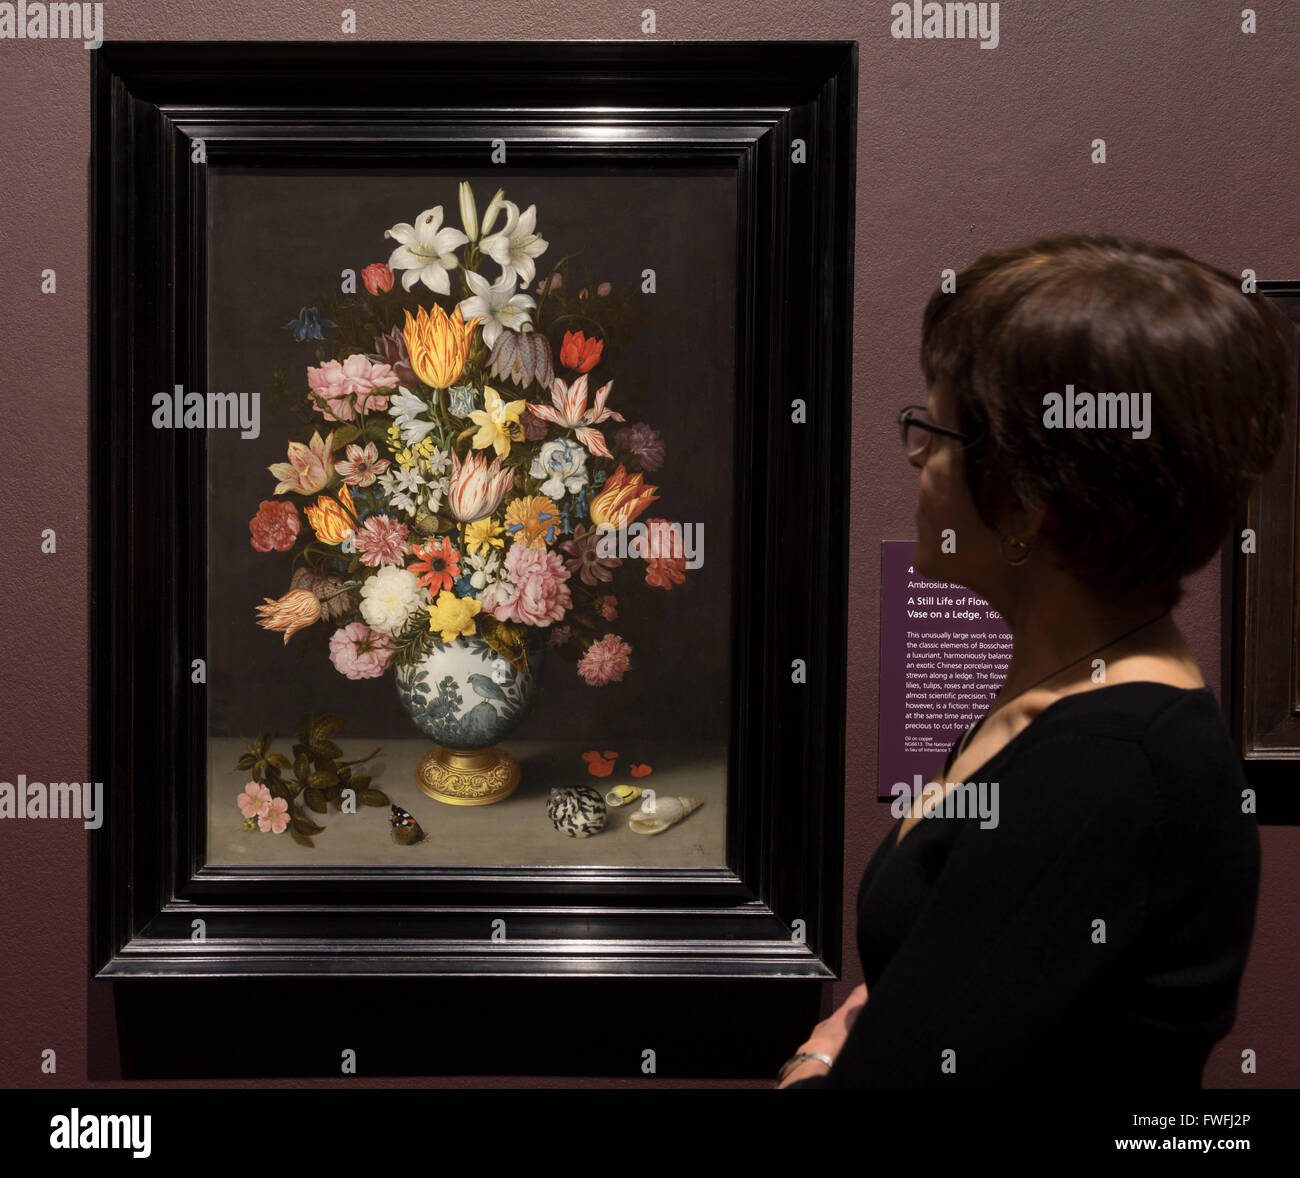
<point x="466" y="696"/>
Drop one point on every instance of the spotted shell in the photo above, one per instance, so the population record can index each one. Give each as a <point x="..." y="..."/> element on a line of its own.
<point x="578" y="811"/>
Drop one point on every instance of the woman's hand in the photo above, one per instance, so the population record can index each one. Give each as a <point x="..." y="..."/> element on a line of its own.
<point x="828" y="1036"/>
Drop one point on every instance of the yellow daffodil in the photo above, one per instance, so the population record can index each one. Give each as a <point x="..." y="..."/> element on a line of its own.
<point x="451" y="615"/>
<point x="498" y="423"/>
<point x="438" y="345"/>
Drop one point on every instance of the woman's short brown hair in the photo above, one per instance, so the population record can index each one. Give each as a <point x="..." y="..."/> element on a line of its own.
<point x="1109" y="314"/>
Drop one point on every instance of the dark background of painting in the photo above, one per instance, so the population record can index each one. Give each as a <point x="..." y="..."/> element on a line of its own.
<point x="279" y="240"/>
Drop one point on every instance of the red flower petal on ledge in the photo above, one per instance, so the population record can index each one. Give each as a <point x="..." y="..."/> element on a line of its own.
<point x="639" y="770"/>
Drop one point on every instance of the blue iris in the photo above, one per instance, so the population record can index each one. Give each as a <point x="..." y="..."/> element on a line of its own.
<point x="308" y="325"/>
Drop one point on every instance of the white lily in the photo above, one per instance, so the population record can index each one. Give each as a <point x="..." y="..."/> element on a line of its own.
<point x="497" y="305"/>
<point x="515" y="247"/>
<point x="424" y="251"/>
<point x="468" y="213"/>
<point x="490" y="213"/>
<point x="405" y="407"/>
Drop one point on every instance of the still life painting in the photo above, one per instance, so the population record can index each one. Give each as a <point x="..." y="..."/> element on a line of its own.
<point x="460" y="606"/>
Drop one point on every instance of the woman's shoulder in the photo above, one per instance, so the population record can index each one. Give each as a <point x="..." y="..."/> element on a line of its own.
<point x="1149" y="752"/>
<point x="1168" y="721"/>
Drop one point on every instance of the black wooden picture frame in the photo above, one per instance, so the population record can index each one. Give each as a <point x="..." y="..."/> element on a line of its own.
<point x="783" y="115"/>
<point x="1260" y="617"/>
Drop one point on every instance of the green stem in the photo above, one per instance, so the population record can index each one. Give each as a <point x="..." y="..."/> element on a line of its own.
<point x="546" y="289"/>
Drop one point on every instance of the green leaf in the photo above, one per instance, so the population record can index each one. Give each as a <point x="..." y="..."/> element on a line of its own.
<point x="316" y="800"/>
<point x="305" y="826"/>
<point x="301" y="839"/>
<point x="301" y="767"/>
<point x="373" y="797"/>
<point x="279" y="760"/>
<point x="327" y="748"/>
<point x="360" y="781"/>
<point x="327" y="726"/>
<point x="323" y="780"/>
<point x="304" y="728"/>
<point x="247" y="761"/>
<point x="345" y="434"/>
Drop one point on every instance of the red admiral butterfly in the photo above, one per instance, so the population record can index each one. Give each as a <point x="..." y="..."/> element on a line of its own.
<point x="405" y="828"/>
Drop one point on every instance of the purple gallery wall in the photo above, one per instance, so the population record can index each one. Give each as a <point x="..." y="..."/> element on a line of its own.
<point x="960" y="148"/>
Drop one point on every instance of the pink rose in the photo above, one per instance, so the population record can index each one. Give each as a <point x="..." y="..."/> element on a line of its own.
<point x="255" y="800"/>
<point x="276" y="817"/>
<point x="359" y="652"/>
<point x="377" y="277"/>
<point x="341" y="391"/>
<point x="275" y="526"/>
<point x="535" y="591"/>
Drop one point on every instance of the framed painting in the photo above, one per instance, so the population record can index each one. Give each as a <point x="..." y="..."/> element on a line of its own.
<point x="469" y="507"/>
<point x="1261" y="616"/>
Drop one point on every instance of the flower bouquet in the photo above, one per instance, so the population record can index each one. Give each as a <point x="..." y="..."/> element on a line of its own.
<point x="460" y="490"/>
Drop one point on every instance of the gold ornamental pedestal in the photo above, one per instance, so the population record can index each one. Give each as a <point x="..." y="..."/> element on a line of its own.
<point x="467" y="777"/>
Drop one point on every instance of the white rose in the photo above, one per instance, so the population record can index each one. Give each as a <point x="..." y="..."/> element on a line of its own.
<point x="390" y="597"/>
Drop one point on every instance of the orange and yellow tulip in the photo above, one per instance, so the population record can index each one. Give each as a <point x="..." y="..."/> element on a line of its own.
<point x="438" y="345"/>
<point x="333" y="519"/>
<point x="621" y="499"/>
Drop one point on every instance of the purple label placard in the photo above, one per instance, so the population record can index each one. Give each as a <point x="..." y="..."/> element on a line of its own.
<point x="944" y="652"/>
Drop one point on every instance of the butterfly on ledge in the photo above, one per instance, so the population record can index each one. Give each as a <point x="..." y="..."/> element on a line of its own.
<point x="405" y="828"/>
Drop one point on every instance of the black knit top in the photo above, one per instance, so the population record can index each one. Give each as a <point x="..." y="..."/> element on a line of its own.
<point x="1096" y="935"/>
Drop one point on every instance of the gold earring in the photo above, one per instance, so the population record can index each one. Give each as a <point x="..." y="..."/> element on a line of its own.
<point x="1022" y="549"/>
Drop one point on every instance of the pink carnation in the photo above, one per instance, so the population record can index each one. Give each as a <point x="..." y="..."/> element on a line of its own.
<point x="339" y="391"/>
<point x="605" y="661"/>
<point x="359" y="652"/>
<point x="275" y="526"/>
<point x="534" y="591"/>
<point x="381" y="540"/>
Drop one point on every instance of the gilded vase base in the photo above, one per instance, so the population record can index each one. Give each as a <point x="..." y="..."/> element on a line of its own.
<point x="470" y="777"/>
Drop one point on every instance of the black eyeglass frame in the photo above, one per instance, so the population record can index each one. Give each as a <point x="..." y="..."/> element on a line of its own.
<point x="904" y="421"/>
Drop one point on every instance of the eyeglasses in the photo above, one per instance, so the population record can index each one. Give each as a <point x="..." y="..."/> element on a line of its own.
<point x="917" y="429"/>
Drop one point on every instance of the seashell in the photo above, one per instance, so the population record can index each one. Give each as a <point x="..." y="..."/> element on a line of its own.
<point x="668" y="810"/>
<point x="622" y="795"/>
<point x="578" y="811"/>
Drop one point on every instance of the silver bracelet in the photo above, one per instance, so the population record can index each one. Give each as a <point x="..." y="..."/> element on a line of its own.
<point x="798" y="1058"/>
